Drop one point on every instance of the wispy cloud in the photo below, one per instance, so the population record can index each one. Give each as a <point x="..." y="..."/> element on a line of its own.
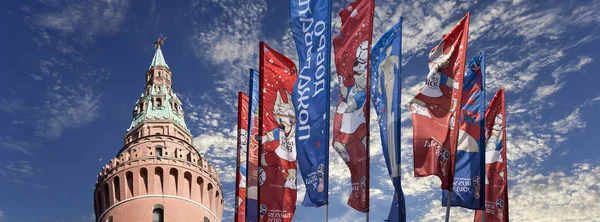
<point x="11" y="144"/>
<point x="67" y="107"/>
<point x="85" y="19"/>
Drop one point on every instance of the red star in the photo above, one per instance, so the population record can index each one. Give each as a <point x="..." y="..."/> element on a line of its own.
<point x="318" y="144"/>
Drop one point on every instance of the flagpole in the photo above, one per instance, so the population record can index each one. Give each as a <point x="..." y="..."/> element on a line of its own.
<point x="367" y="216"/>
<point x="399" y="110"/>
<point x="326" y="212"/>
<point x="483" y="132"/>
<point x="448" y="205"/>
<point x="483" y="216"/>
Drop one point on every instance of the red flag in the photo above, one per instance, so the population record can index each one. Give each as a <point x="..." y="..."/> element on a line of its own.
<point x="496" y="178"/>
<point x="351" y="122"/>
<point x="435" y="106"/>
<point x="242" y="142"/>
<point x="277" y="128"/>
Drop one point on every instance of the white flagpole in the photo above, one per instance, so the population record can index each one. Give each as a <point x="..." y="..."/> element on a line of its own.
<point x="448" y="206"/>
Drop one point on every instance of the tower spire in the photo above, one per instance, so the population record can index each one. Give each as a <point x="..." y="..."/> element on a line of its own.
<point x="158" y="56"/>
<point x="158" y="106"/>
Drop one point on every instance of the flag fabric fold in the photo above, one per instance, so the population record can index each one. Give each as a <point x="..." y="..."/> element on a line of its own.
<point x="311" y="22"/>
<point x="470" y="155"/>
<point x="252" y="154"/>
<point x="386" y="92"/>
<point x="351" y="121"/>
<point x="277" y="129"/>
<point x="242" y="142"/>
<point x="435" y="107"/>
<point x="496" y="180"/>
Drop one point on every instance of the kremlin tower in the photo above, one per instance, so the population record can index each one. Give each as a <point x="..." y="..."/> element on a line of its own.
<point x="158" y="175"/>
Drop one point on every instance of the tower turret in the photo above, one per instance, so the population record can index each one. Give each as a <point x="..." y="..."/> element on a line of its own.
<point x="158" y="175"/>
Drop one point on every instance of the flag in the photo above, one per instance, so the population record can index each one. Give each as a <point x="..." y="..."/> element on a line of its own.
<point x="252" y="155"/>
<point x="470" y="155"/>
<point x="277" y="129"/>
<point x="496" y="180"/>
<point x="240" y="180"/>
<point x="385" y="89"/>
<point x="434" y="107"/>
<point x="351" y="121"/>
<point x="311" y="22"/>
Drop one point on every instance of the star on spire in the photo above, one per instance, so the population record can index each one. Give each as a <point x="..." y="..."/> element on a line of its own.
<point x="159" y="42"/>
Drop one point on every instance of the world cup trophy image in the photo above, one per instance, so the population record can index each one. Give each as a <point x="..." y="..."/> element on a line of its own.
<point x="280" y="147"/>
<point x="500" y="205"/>
<point x="442" y="153"/>
<point x="320" y="174"/>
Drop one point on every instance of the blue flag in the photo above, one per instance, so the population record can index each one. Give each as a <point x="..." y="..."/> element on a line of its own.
<point x="252" y="154"/>
<point x="468" y="190"/>
<point x="311" y="22"/>
<point x="386" y="59"/>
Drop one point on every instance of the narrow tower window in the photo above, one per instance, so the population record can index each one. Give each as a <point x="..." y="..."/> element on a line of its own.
<point x="158" y="102"/>
<point x="158" y="180"/>
<point x="144" y="181"/>
<point x="158" y="214"/>
<point x="117" y="189"/>
<point x="129" y="177"/>
<point x="158" y="151"/>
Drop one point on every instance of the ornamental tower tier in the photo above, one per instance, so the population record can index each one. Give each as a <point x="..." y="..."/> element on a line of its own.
<point x="158" y="175"/>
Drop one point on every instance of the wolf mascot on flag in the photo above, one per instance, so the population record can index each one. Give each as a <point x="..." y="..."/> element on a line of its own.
<point x="277" y="124"/>
<point x="351" y="120"/>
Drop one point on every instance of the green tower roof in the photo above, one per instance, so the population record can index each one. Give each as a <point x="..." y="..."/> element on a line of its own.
<point x="158" y="59"/>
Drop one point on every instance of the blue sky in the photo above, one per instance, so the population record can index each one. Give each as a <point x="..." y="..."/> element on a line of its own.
<point x="72" y="71"/>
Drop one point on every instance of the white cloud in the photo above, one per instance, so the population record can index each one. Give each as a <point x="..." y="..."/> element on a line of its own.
<point x="544" y="197"/>
<point x="544" y="91"/>
<point x="86" y="18"/>
<point x="1" y="215"/>
<point x="236" y="31"/>
<point x="65" y="108"/>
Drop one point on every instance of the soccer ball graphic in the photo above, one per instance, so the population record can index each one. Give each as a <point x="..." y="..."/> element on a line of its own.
<point x="262" y="176"/>
<point x="362" y="53"/>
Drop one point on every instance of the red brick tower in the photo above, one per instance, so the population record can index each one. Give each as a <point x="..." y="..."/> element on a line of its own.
<point x="158" y="175"/>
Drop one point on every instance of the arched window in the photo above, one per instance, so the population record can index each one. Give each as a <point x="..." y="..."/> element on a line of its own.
<point x="129" y="178"/>
<point x="117" y="189"/>
<point x="206" y="219"/>
<point x="98" y="203"/>
<point x="158" y="213"/>
<point x="187" y="186"/>
<point x="173" y="174"/>
<point x="110" y="219"/>
<point x="200" y="183"/>
<point x="158" y="180"/>
<point x="106" y="196"/>
<point x="210" y="193"/>
<point x="144" y="181"/>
